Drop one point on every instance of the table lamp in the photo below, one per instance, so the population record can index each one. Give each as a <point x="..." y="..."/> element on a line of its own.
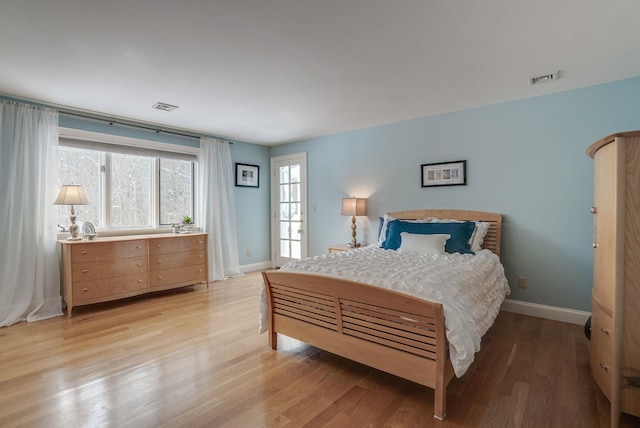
<point x="72" y="194"/>
<point x="353" y="207"/>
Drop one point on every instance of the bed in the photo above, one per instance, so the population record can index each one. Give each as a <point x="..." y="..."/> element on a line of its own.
<point x="392" y="331"/>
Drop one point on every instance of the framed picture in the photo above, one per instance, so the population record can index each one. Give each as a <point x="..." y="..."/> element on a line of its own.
<point x="247" y="175"/>
<point x="444" y="174"/>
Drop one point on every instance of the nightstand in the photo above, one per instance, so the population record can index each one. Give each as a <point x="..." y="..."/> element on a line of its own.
<point x="338" y="248"/>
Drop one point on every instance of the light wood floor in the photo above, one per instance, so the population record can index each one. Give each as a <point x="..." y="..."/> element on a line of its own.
<point x="193" y="357"/>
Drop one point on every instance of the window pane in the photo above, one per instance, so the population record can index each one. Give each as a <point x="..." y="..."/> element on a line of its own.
<point x="295" y="211"/>
<point x="79" y="166"/>
<point x="130" y="190"/>
<point x="284" y="230"/>
<point x="176" y="190"/>
<point x="284" y="193"/>
<point x="296" y="253"/>
<point x="295" y="193"/>
<point x="284" y="174"/>
<point x="284" y="248"/>
<point x="295" y="230"/>
<point x="295" y="173"/>
<point x="284" y="211"/>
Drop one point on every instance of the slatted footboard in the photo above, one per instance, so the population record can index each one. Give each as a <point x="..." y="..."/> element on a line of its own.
<point x="384" y="329"/>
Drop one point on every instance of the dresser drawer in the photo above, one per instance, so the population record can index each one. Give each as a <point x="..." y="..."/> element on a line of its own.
<point x="184" y="275"/>
<point x="98" y="251"/>
<point x="171" y="261"/>
<point x="602" y="330"/>
<point x="177" y="244"/>
<point x="104" y="289"/>
<point x="602" y="367"/>
<point x="89" y="271"/>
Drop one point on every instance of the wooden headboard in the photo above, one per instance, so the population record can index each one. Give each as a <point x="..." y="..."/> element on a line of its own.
<point x="491" y="240"/>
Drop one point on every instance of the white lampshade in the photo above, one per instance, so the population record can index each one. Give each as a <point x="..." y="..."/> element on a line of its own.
<point x="71" y="194"/>
<point x="354" y="206"/>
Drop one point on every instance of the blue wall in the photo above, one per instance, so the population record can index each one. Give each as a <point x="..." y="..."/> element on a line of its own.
<point x="525" y="159"/>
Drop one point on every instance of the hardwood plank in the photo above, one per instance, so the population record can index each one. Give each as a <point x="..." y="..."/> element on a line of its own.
<point x="193" y="357"/>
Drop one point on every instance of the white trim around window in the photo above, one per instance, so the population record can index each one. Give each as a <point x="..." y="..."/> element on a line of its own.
<point x="72" y="137"/>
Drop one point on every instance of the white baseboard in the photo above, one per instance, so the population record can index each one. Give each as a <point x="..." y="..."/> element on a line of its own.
<point x="555" y="313"/>
<point x="255" y="266"/>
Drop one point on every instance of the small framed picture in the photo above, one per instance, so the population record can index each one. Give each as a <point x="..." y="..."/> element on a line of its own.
<point x="247" y="175"/>
<point x="444" y="174"/>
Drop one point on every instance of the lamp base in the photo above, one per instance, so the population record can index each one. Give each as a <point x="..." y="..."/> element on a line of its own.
<point x="71" y="238"/>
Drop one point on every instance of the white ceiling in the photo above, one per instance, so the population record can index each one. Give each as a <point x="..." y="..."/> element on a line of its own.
<point x="275" y="71"/>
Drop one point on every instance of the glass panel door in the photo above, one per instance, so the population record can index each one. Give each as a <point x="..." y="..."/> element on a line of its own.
<point x="288" y="187"/>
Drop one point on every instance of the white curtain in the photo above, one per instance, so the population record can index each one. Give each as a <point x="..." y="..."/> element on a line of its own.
<point x="29" y="271"/>
<point x="217" y="208"/>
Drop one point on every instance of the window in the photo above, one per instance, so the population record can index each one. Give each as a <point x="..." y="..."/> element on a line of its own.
<point x="127" y="188"/>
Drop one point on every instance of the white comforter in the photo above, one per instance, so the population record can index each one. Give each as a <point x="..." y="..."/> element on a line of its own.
<point x="471" y="288"/>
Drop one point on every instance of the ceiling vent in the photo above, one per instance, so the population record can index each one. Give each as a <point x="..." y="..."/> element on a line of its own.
<point x="544" y="78"/>
<point x="164" y="106"/>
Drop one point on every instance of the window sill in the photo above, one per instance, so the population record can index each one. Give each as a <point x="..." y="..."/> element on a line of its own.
<point x="126" y="232"/>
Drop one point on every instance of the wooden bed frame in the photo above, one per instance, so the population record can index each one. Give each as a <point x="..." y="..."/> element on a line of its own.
<point x="384" y="329"/>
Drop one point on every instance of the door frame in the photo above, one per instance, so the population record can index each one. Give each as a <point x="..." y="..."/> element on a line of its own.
<point x="275" y="202"/>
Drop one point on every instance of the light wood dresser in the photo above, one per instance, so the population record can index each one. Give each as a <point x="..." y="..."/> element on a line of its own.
<point x="113" y="268"/>
<point x="615" y="325"/>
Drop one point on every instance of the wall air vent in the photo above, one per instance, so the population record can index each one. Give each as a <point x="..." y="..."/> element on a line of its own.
<point x="164" y="106"/>
<point x="544" y="78"/>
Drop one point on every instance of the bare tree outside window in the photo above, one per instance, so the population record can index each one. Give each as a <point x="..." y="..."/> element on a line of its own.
<point x="133" y="180"/>
<point x="176" y="190"/>
<point x="79" y="166"/>
<point x="130" y="190"/>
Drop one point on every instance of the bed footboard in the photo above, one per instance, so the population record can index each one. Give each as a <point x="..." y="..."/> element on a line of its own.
<point x="384" y="329"/>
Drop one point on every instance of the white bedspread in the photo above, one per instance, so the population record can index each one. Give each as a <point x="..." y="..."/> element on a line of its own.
<point x="471" y="288"/>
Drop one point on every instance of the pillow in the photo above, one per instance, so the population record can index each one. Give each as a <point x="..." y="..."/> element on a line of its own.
<point x="380" y="224"/>
<point x="382" y="232"/>
<point x="482" y="228"/>
<point x="422" y="244"/>
<point x="477" y="237"/>
<point x="457" y="243"/>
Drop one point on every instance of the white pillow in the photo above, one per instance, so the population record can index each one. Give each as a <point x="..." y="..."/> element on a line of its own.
<point x="387" y="218"/>
<point x="413" y="243"/>
<point x="477" y="237"/>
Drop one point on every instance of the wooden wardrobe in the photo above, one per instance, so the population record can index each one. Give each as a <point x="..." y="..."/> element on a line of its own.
<point x="615" y="325"/>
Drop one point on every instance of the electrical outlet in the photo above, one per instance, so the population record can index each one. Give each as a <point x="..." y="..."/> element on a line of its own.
<point x="522" y="282"/>
<point x="248" y="253"/>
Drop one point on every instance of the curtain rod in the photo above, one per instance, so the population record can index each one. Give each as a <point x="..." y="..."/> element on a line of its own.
<point x="133" y="125"/>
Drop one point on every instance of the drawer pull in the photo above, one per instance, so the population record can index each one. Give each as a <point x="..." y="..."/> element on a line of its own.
<point x="159" y="277"/>
<point x="200" y="242"/>
<point x="85" y="289"/>
<point x="159" y="245"/>
<point x="139" y="246"/>
<point x="604" y="366"/>
<point x="159" y="261"/>
<point x="85" y="270"/>
<point x="139" y="280"/>
<point x="604" y="330"/>
<point x="83" y="252"/>
<point x="594" y="211"/>
<point x="199" y="270"/>
<point x="200" y="256"/>
<point x="139" y="264"/>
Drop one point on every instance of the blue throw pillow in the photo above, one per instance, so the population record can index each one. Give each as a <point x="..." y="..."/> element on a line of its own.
<point x="458" y="243"/>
